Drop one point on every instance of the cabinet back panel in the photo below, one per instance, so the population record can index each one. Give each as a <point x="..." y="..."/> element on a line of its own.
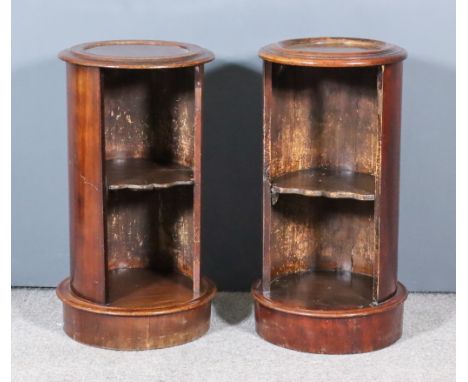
<point x="149" y="114"/>
<point x="324" y="117"/>
<point x="150" y="229"/>
<point x="321" y="234"/>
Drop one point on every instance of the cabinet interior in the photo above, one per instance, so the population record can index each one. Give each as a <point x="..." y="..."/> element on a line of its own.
<point x="324" y="152"/>
<point x="148" y="118"/>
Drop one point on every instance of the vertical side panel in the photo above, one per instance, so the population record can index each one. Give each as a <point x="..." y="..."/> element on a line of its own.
<point x="388" y="198"/>
<point x="267" y="94"/>
<point x="197" y="177"/>
<point x="85" y="145"/>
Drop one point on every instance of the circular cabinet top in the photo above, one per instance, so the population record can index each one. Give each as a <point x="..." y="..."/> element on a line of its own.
<point x="136" y="54"/>
<point x="332" y="52"/>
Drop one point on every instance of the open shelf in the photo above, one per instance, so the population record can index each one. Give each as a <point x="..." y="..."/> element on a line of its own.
<point x="147" y="288"/>
<point x="324" y="290"/>
<point x="338" y="184"/>
<point x="144" y="174"/>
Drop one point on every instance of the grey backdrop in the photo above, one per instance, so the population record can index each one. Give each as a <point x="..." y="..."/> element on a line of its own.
<point x="234" y="31"/>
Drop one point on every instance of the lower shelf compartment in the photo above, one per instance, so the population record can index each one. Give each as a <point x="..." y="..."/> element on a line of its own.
<point x="146" y="288"/>
<point x="322" y="290"/>
<point x="149" y="311"/>
<point x="315" y="328"/>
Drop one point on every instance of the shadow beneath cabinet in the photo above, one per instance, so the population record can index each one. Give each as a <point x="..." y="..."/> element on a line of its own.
<point x="233" y="308"/>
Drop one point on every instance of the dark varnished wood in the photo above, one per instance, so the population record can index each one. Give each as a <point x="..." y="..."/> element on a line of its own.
<point x="145" y="288"/>
<point x="130" y="324"/>
<point x="135" y="195"/>
<point x="326" y="183"/>
<point x="137" y="54"/>
<point x="332" y="52"/>
<point x="330" y="195"/>
<point x="143" y="174"/>
<point x="343" y="331"/>
<point x="85" y="152"/>
<point x="388" y="196"/>
<point x="322" y="290"/>
<point x="266" y="189"/>
<point x="197" y="166"/>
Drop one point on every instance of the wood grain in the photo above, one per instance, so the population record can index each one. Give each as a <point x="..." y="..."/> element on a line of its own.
<point x="321" y="234"/>
<point x="326" y="183"/>
<point x="135" y="195"/>
<point x="332" y="52"/>
<point x="135" y="328"/>
<point x="331" y="123"/>
<point x="343" y="331"/>
<point x="322" y="290"/>
<point x="326" y="120"/>
<point x="149" y="114"/>
<point x="151" y="229"/>
<point x="145" y="288"/>
<point x="388" y="196"/>
<point x="197" y="188"/>
<point x="143" y="174"/>
<point x="137" y="54"/>
<point x="85" y="152"/>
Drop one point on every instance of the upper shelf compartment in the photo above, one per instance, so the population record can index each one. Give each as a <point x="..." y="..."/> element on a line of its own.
<point x="143" y="174"/>
<point x="326" y="183"/>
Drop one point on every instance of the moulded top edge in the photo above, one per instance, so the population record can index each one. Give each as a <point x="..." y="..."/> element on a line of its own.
<point x="332" y="52"/>
<point x="137" y="54"/>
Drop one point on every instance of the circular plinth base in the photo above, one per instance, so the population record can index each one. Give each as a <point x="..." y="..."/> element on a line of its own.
<point x="346" y="331"/>
<point x="123" y="328"/>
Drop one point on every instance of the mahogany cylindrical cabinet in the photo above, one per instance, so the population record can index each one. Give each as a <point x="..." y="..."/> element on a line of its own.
<point x="134" y="136"/>
<point x="330" y="199"/>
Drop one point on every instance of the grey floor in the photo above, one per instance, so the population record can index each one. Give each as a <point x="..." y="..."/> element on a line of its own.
<point x="231" y="351"/>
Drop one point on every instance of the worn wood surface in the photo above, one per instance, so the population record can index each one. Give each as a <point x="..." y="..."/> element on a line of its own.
<point x="326" y="183"/>
<point x="266" y="189"/>
<point x="388" y="195"/>
<point x="321" y="234"/>
<point x="146" y="288"/>
<point x="341" y="331"/>
<point x="149" y="119"/>
<point x="322" y="121"/>
<point x="197" y="187"/>
<point x="144" y="174"/>
<point x="330" y="195"/>
<point x="322" y="290"/>
<point x="323" y="118"/>
<point x="151" y="229"/>
<point x="133" y="325"/>
<point x="332" y="52"/>
<point x="137" y="54"/>
<point x="87" y="205"/>
<point x="135" y="181"/>
<point x="149" y="114"/>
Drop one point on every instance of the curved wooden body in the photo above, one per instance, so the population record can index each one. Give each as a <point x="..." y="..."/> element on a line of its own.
<point x="134" y="329"/>
<point x="134" y="139"/>
<point x="330" y="332"/>
<point x="330" y="197"/>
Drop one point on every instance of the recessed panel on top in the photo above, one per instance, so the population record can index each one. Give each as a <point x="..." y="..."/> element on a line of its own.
<point x="137" y="54"/>
<point x="138" y="50"/>
<point x="332" y="52"/>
